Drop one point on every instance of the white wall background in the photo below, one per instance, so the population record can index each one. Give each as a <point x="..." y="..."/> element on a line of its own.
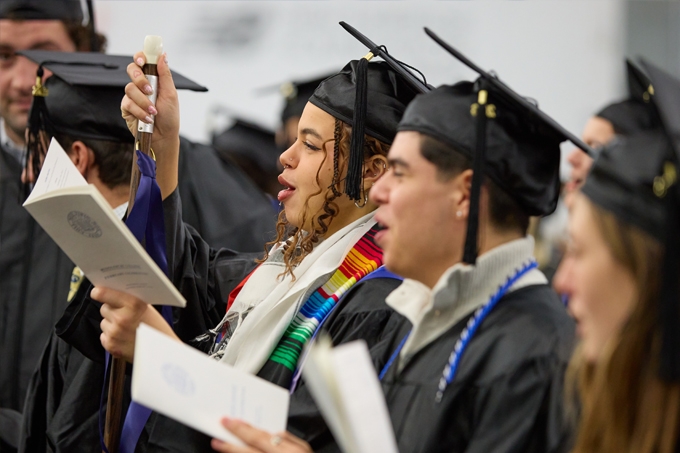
<point x="567" y="54"/>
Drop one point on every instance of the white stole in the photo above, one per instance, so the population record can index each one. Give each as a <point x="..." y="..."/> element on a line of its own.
<point x="275" y="301"/>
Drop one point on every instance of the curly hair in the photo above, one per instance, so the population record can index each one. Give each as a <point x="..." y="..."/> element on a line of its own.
<point x="300" y="243"/>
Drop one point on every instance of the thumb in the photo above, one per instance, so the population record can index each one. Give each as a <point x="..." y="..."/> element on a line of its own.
<point x="165" y="77"/>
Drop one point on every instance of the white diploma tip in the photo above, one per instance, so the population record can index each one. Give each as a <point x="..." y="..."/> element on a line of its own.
<point x="153" y="48"/>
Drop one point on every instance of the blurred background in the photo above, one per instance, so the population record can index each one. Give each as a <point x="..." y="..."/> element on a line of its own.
<point x="567" y="54"/>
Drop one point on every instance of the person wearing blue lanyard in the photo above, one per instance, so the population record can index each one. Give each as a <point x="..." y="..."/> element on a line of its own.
<point x="482" y="368"/>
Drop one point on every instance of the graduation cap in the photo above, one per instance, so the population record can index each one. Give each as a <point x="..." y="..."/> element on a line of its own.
<point x="636" y="179"/>
<point x="371" y="98"/>
<point x="70" y="10"/>
<point x="297" y="94"/>
<point x="507" y="138"/>
<point x="244" y="139"/>
<point x="636" y="113"/>
<point x="81" y="99"/>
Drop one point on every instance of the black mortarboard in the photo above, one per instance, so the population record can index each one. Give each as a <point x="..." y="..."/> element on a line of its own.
<point x="507" y="138"/>
<point x="636" y="179"/>
<point x="371" y="98"/>
<point x="81" y="98"/>
<point x="69" y="10"/>
<point x="95" y="69"/>
<point x="251" y="141"/>
<point x="636" y="113"/>
<point x="297" y="94"/>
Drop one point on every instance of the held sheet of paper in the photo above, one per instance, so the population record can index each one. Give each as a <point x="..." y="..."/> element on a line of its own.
<point x="184" y="384"/>
<point x="79" y="219"/>
<point x="344" y="385"/>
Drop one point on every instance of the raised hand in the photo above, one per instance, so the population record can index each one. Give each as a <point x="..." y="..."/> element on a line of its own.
<point x="136" y="106"/>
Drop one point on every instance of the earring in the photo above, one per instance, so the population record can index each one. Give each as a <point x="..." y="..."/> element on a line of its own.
<point x="459" y="214"/>
<point x="356" y="203"/>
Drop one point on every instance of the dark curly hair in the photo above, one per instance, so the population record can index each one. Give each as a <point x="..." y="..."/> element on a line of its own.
<point x="300" y="243"/>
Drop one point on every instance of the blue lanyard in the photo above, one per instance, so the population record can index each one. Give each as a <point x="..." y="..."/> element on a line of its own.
<point x="466" y="335"/>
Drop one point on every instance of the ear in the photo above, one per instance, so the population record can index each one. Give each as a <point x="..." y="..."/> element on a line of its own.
<point x="374" y="168"/>
<point x="81" y="156"/>
<point x="461" y="193"/>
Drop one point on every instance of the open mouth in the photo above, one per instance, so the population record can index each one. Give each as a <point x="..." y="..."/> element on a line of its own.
<point x="382" y="230"/>
<point x="287" y="192"/>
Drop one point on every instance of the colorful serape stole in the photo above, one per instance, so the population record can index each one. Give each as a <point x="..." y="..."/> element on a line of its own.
<point x="364" y="258"/>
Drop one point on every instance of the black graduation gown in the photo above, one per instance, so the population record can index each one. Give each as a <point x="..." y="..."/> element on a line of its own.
<point x="507" y="395"/>
<point x="63" y="400"/>
<point x="363" y="314"/>
<point x="221" y="202"/>
<point x="34" y="285"/>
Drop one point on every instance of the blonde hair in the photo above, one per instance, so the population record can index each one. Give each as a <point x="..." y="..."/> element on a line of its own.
<point x="624" y="406"/>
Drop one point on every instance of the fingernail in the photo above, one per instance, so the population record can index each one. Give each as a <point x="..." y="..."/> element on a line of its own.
<point x="94" y="293"/>
<point x="148" y="89"/>
<point x="216" y="443"/>
<point x="140" y="61"/>
<point x="153" y="110"/>
<point x="165" y="58"/>
<point x="148" y="120"/>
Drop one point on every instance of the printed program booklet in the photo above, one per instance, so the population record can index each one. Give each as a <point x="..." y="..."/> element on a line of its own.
<point x="80" y="220"/>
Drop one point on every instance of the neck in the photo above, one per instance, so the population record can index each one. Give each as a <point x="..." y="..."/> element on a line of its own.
<point x="116" y="196"/>
<point x="489" y="239"/>
<point x="347" y="216"/>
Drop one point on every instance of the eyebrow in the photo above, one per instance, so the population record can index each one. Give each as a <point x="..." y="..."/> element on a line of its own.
<point x="398" y="162"/>
<point x="312" y="132"/>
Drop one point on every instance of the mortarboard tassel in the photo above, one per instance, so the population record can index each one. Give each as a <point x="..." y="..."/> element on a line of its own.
<point x="40" y="129"/>
<point x="481" y="111"/>
<point x="355" y="165"/>
<point x="669" y="301"/>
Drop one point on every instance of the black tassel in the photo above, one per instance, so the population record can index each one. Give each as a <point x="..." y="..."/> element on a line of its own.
<point x="669" y="300"/>
<point x="471" y="236"/>
<point x="40" y="130"/>
<point x="355" y="166"/>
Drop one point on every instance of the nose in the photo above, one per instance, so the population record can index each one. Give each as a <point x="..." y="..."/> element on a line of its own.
<point x="288" y="158"/>
<point x="562" y="278"/>
<point x="575" y="157"/>
<point x="379" y="193"/>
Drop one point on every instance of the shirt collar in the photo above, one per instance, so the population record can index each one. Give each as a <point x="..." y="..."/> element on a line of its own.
<point x="120" y="210"/>
<point x="459" y="291"/>
<point x="14" y="149"/>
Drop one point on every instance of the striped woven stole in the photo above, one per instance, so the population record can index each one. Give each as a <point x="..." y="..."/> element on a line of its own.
<point x="364" y="257"/>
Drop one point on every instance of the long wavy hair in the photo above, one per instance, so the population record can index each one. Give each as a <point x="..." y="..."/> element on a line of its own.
<point x="300" y="243"/>
<point x="625" y="407"/>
